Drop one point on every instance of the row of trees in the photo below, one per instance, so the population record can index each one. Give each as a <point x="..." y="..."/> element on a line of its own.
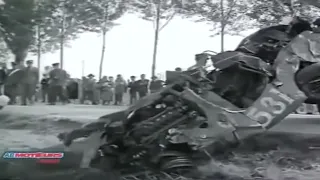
<point x="40" y="26"/>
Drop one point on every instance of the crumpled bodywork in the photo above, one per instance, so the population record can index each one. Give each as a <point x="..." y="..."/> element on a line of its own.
<point x="306" y="46"/>
<point x="189" y="112"/>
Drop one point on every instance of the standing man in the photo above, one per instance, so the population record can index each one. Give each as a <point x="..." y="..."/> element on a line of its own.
<point x="133" y="89"/>
<point x="89" y="88"/>
<point x="119" y="89"/>
<point x="12" y="82"/>
<point x="57" y="83"/>
<point x="44" y="87"/>
<point x="143" y="86"/>
<point x="155" y="84"/>
<point x="29" y="82"/>
<point x="3" y="77"/>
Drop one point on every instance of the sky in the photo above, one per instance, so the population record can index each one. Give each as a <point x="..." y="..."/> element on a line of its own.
<point x="129" y="48"/>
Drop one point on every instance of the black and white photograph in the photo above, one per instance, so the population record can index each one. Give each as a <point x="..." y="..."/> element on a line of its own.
<point x="159" y="89"/>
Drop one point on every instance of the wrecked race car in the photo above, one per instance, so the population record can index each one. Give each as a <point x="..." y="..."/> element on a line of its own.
<point x="201" y="110"/>
<point x="197" y="112"/>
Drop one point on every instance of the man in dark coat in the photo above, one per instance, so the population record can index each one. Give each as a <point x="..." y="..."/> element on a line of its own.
<point x="57" y="83"/>
<point x="133" y="89"/>
<point x="12" y="83"/>
<point x="73" y="89"/>
<point x="143" y="86"/>
<point x="29" y="82"/>
<point x="89" y="87"/>
<point x="155" y="84"/>
<point x="3" y="77"/>
<point x="119" y="89"/>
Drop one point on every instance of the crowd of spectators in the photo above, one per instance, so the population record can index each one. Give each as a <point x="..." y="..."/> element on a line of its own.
<point x="21" y="85"/>
<point x="111" y="90"/>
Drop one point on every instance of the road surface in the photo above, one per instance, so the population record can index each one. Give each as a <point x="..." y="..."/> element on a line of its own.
<point x="83" y="113"/>
<point x="86" y="113"/>
<point x="42" y="134"/>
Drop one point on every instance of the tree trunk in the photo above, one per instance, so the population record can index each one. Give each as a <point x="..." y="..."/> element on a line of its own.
<point x="102" y="53"/>
<point x="39" y="50"/>
<point x="222" y="38"/>
<point x="61" y="51"/>
<point x="62" y="36"/>
<point x="156" y="39"/>
<point x="222" y="24"/>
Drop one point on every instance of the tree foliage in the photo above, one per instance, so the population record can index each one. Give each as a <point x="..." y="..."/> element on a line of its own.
<point x="271" y="12"/>
<point x="103" y="14"/>
<point x="147" y="10"/>
<point x="78" y="16"/>
<point x="56" y="19"/>
<point x="228" y="15"/>
<point x="62" y="20"/>
<point x="46" y="29"/>
<point x="16" y="26"/>
<point x="42" y="26"/>
<point x="160" y="12"/>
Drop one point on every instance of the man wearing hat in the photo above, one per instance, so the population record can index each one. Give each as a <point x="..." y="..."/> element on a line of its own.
<point x="29" y="82"/>
<point x="57" y="84"/>
<point x="89" y="89"/>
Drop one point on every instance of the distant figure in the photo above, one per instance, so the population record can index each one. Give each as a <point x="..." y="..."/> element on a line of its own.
<point x="73" y="89"/>
<point x="29" y="82"/>
<point x="106" y="91"/>
<point x="112" y="86"/>
<point x="3" y="77"/>
<point x="57" y="83"/>
<point x="44" y="87"/>
<point x="89" y="88"/>
<point x="119" y="89"/>
<point x="155" y="84"/>
<point x="37" y="94"/>
<point x="143" y="86"/>
<point x="133" y="89"/>
<point x="12" y="82"/>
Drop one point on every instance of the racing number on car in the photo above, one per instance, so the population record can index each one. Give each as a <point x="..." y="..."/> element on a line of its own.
<point x="270" y="105"/>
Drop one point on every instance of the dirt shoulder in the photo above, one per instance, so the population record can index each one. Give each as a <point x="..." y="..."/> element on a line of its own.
<point x="69" y="111"/>
<point x="294" y="123"/>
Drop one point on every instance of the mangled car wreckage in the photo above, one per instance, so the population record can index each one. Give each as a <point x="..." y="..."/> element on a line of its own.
<point x="202" y="108"/>
<point x="242" y="95"/>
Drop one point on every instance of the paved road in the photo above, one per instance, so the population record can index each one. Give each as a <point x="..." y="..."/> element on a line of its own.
<point x="71" y="111"/>
<point x="293" y="123"/>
